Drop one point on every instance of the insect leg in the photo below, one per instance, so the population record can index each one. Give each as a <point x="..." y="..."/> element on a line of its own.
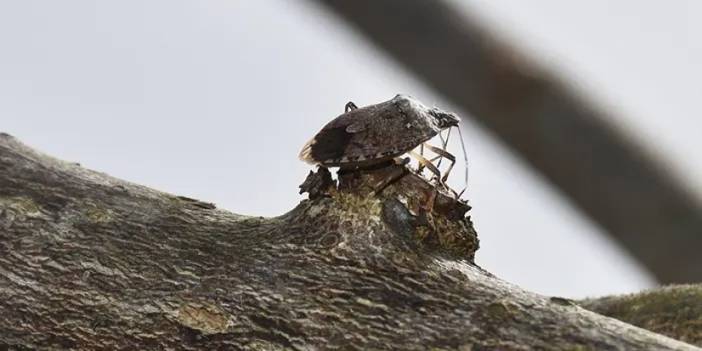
<point x="426" y="163"/>
<point x="444" y="143"/>
<point x="433" y="159"/>
<point x="350" y="106"/>
<point x="446" y="154"/>
<point x="395" y="175"/>
<point x="420" y="168"/>
<point x="430" y="166"/>
<point x="431" y="199"/>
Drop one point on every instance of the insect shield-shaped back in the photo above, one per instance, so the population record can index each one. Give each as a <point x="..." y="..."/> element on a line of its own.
<point x="376" y="133"/>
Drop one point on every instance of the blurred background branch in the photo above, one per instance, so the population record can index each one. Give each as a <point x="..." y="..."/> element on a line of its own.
<point x="529" y="108"/>
<point x="675" y="311"/>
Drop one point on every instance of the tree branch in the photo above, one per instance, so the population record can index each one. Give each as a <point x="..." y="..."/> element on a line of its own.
<point x="675" y="311"/>
<point x="91" y="262"/>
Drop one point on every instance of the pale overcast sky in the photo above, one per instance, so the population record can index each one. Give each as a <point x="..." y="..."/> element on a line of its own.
<point x="213" y="100"/>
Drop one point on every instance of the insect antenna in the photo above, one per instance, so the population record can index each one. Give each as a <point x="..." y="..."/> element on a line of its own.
<point x="465" y="161"/>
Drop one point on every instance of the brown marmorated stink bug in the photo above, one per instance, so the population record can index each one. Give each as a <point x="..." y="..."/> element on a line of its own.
<point x="376" y="134"/>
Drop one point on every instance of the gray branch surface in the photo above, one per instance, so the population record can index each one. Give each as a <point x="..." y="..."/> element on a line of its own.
<point x="92" y="262"/>
<point x="602" y="170"/>
<point x="675" y="311"/>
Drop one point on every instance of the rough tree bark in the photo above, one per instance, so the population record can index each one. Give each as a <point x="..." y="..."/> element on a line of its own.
<point x="91" y="262"/>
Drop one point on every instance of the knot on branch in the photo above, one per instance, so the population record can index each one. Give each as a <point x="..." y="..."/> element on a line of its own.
<point x="406" y="214"/>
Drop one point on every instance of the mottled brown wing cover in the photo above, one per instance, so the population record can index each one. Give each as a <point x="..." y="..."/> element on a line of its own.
<point x="371" y="134"/>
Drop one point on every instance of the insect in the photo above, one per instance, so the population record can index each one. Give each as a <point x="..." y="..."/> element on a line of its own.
<point x="375" y="134"/>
